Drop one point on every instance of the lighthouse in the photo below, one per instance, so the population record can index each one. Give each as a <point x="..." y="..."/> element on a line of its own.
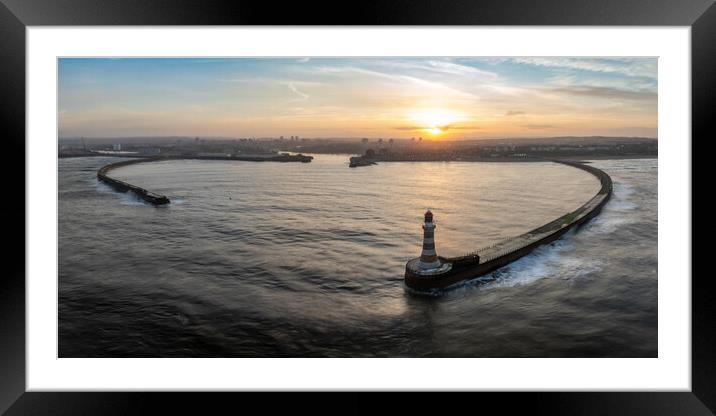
<point x="428" y="258"/>
<point x="428" y="265"/>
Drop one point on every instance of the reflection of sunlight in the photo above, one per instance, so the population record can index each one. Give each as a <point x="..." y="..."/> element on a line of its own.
<point x="432" y="178"/>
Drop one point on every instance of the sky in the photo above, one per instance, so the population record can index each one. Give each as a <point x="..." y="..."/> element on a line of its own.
<point x="436" y="98"/>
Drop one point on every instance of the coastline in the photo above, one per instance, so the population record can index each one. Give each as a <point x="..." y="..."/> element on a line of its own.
<point x="359" y="161"/>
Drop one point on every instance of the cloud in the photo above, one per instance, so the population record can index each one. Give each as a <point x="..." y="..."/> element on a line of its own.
<point x="297" y="91"/>
<point x="538" y="126"/>
<point x="457" y="69"/>
<point x="398" y="80"/>
<point x="608" y="93"/>
<point x="616" y="82"/>
<point x="644" y="67"/>
<point x="514" y="113"/>
<point x="266" y="80"/>
<point x="441" y="67"/>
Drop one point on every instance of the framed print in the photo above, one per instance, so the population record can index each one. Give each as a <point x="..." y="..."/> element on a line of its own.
<point x="410" y="197"/>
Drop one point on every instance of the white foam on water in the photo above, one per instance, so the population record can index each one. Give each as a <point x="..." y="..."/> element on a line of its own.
<point x="126" y="198"/>
<point x="606" y="223"/>
<point x="101" y="186"/>
<point x="130" y="198"/>
<point x="622" y="206"/>
<point x="618" y="212"/>
<point x="621" y="199"/>
<point x="556" y="260"/>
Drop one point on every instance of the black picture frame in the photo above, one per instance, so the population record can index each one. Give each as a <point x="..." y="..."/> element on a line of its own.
<point x="15" y="15"/>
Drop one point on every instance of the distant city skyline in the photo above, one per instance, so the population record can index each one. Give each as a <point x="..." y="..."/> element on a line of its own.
<point x="434" y="98"/>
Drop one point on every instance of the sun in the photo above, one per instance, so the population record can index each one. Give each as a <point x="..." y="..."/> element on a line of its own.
<point x="435" y="131"/>
<point x="436" y="122"/>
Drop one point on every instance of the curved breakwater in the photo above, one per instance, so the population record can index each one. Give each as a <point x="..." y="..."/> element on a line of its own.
<point x="466" y="267"/>
<point x="485" y="260"/>
<point x="157" y="199"/>
<point x="122" y="186"/>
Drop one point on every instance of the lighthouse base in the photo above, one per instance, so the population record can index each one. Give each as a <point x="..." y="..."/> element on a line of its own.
<point x="415" y="267"/>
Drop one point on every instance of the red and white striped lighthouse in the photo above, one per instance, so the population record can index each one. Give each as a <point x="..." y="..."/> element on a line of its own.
<point x="428" y="258"/>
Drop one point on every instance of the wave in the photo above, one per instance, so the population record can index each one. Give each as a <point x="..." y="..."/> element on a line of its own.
<point x="621" y="198"/>
<point x="556" y="260"/>
<point x="125" y="198"/>
<point x="621" y="210"/>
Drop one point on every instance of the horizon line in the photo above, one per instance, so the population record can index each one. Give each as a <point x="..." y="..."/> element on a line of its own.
<point x="356" y="137"/>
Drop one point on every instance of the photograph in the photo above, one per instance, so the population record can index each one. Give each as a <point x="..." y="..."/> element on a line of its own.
<point x="357" y="206"/>
<point x="486" y="198"/>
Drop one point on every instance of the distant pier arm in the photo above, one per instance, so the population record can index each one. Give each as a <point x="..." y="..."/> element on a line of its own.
<point x="121" y="186"/>
<point x="156" y="199"/>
